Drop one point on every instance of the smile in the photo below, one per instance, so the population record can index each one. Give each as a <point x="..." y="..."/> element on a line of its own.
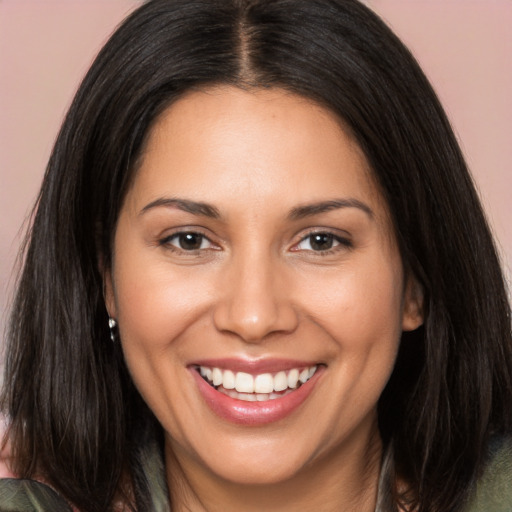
<point x="255" y="394"/>
<point x="252" y="388"/>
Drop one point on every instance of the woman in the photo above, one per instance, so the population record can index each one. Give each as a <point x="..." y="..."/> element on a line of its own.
<point x="258" y="278"/>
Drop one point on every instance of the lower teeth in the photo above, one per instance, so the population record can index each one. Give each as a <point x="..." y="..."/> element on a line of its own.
<point x="252" y="397"/>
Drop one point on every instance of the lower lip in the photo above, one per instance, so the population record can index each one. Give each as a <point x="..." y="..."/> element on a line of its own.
<point x="254" y="413"/>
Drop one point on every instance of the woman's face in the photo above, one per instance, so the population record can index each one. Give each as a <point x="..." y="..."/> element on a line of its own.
<point x="258" y="287"/>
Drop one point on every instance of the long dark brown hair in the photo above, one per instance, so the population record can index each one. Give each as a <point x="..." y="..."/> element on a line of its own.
<point x="74" y="414"/>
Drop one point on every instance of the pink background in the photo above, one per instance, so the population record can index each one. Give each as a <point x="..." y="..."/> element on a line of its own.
<point x="464" y="46"/>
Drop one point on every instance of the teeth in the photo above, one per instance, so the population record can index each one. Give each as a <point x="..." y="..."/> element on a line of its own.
<point x="280" y="381"/>
<point x="264" y="383"/>
<point x="252" y="397"/>
<point x="216" y="377"/>
<point x="293" y="378"/>
<point x="304" y="376"/>
<point x="259" y="387"/>
<point x="228" y="380"/>
<point x="244" y="382"/>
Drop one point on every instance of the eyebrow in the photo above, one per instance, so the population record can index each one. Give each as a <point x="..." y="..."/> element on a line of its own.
<point x="186" y="205"/>
<point x="308" y="210"/>
<point x="297" y="213"/>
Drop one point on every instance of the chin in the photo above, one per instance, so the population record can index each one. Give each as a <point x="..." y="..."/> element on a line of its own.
<point x="254" y="474"/>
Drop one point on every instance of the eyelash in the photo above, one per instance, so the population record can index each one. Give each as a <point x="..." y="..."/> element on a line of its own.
<point x="167" y="241"/>
<point x="342" y="242"/>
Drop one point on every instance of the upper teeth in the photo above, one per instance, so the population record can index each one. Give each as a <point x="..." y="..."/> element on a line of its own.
<point x="262" y="383"/>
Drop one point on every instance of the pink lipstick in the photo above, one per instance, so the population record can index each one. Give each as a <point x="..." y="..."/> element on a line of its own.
<point x="255" y="392"/>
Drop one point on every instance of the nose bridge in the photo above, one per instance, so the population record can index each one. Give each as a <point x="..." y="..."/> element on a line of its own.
<point x="253" y="302"/>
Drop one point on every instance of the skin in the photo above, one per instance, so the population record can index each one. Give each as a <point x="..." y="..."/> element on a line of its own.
<point x="258" y="288"/>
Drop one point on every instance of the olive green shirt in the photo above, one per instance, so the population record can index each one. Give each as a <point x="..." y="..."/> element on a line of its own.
<point x="493" y="492"/>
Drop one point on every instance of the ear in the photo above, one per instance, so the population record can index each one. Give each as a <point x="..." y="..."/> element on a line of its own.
<point x="413" y="311"/>
<point x="108" y="293"/>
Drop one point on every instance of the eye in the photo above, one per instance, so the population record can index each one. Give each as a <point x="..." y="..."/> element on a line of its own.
<point x="321" y="242"/>
<point x="187" y="241"/>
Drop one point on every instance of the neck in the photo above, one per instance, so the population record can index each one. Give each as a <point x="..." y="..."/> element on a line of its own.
<point x="345" y="479"/>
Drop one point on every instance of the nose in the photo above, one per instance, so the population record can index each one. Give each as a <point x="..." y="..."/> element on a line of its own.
<point x="255" y="301"/>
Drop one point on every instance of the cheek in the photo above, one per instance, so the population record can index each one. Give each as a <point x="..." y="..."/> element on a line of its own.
<point x="155" y="300"/>
<point x="360" y="300"/>
<point x="361" y="313"/>
<point x="154" y="307"/>
<point x="377" y="303"/>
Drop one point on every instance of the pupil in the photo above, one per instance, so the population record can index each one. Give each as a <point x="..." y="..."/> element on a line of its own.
<point x="321" y="241"/>
<point x="190" y="241"/>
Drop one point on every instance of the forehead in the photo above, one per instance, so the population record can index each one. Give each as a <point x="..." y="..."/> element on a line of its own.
<point x="270" y="145"/>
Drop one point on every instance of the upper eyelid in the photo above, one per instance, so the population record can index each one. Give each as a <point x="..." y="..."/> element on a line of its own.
<point x="344" y="241"/>
<point x="170" y="244"/>
<point x="340" y="235"/>
<point x="336" y="233"/>
<point x="183" y="230"/>
<point x="165" y="239"/>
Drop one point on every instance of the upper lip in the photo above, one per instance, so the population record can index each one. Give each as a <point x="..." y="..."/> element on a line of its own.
<point x="255" y="366"/>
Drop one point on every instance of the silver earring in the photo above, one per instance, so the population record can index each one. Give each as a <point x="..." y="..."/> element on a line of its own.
<point x="112" y="324"/>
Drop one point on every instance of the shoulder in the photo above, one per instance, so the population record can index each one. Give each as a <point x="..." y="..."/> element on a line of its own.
<point x="17" y="495"/>
<point x="152" y="460"/>
<point x="5" y="451"/>
<point x="493" y="492"/>
<point x="21" y="495"/>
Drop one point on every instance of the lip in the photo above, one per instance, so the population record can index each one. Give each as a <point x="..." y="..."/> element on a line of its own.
<point x="253" y="413"/>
